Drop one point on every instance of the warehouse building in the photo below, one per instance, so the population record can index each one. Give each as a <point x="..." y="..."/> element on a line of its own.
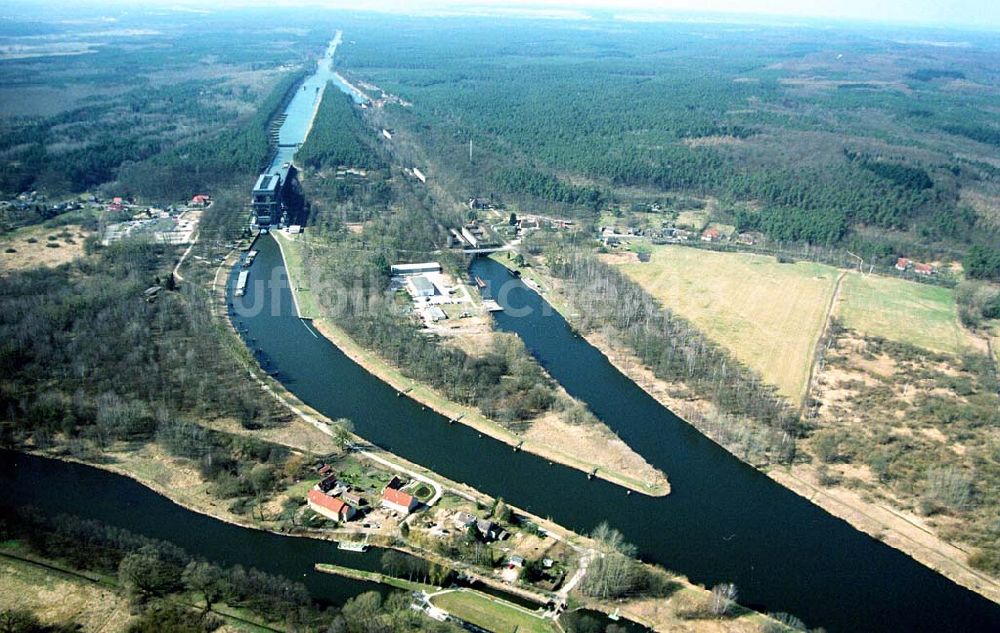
<point x="415" y="269"/>
<point x="421" y="286"/>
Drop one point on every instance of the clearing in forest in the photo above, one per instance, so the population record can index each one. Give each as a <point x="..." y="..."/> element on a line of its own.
<point x="903" y="311"/>
<point x="34" y="246"/>
<point x="769" y="315"/>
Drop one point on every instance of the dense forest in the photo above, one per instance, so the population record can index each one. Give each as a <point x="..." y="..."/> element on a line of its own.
<point x="162" y="114"/>
<point x="90" y="366"/>
<point x="793" y="141"/>
<point x="337" y="136"/>
<point x="234" y="154"/>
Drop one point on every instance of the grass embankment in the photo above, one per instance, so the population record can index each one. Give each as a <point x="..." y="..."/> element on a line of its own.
<point x="59" y="595"/>
<point x="769" y="315"/>
<point x="647" y="481"/>
<point x="492" y="614"/>
<point x="371" y="576"/>
<point x="903" y="311"/>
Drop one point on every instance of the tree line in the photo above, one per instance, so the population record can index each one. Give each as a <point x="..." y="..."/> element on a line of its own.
<point x="153" y="572"/>
<point x="755" y="422"/>
<point x="90" y="365"/>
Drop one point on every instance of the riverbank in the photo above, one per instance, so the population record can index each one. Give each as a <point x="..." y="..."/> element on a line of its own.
<point x="879" y="521"/>
<point x="180" y="482"/>
<point x="618" y="463"/>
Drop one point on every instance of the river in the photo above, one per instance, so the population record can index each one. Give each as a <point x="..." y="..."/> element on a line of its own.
<point x="724" y="521"/>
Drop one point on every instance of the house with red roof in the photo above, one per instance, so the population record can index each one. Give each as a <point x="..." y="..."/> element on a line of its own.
<point x="200" y="200"/>
<point x="902" y="264"/>
<point x="330" y="507"/>
<point x="710" y="234"/>
<point x="398" y="501"/>
<point x="923" y="269"/>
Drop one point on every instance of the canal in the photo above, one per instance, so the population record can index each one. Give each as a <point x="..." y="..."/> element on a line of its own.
<point x="56" y="487"/>
<point x="723" y="522"/>
<point x="301" y="109"/>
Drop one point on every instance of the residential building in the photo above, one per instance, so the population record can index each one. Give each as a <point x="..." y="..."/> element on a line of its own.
<point x="398" y="501"/>
<point x="354" y="498"/>
<point x="330" y="507"/>
<point x="490" y="531"/>
<point x="328" y="484"/>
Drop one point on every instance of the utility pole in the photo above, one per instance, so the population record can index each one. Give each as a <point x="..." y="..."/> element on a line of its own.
<point x="470" y="150"/>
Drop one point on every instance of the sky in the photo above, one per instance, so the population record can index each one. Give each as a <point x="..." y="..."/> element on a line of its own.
<point x="982" y="14"/>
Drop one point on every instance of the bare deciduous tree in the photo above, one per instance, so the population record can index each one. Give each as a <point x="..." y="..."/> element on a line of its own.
<point x="723" y="599"/>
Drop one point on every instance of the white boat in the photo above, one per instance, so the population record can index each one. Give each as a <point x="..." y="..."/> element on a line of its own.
<point x="351" y="546"/>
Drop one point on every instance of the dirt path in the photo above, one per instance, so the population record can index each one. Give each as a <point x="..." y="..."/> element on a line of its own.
<point x="892" y="528"/>
<point x="818" y="353"/>
<point x="180" y="262"/>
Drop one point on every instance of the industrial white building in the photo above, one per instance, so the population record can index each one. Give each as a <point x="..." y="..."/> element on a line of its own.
<point x="415" y="269"/>
<point x="421" y="286"/>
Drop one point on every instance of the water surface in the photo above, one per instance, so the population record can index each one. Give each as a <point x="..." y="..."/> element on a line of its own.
<point x="723" y="522"/>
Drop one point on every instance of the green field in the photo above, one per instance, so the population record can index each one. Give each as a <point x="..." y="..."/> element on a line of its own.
<point x="769" y="315"/>
<point x="904" y="311"/>
<point x="291" y="251"/>
<point x="490" y="613"/>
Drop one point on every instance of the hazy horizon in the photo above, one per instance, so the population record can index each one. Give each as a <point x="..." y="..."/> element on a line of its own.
<point x="962" y="14"/>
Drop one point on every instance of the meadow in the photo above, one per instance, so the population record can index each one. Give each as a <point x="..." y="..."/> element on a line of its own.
<point x="485" y="611"/>
<point x="769" y="315"/>
<point x="901" y="311"/>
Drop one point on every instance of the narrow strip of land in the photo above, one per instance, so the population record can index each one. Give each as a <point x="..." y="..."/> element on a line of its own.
<point x="648" y="480"/>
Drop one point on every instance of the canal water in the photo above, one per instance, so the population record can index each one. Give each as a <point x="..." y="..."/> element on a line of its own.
<point x="301" y="108"/>
<point x="56" y="487"/>
<point x="723" y="522"/>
